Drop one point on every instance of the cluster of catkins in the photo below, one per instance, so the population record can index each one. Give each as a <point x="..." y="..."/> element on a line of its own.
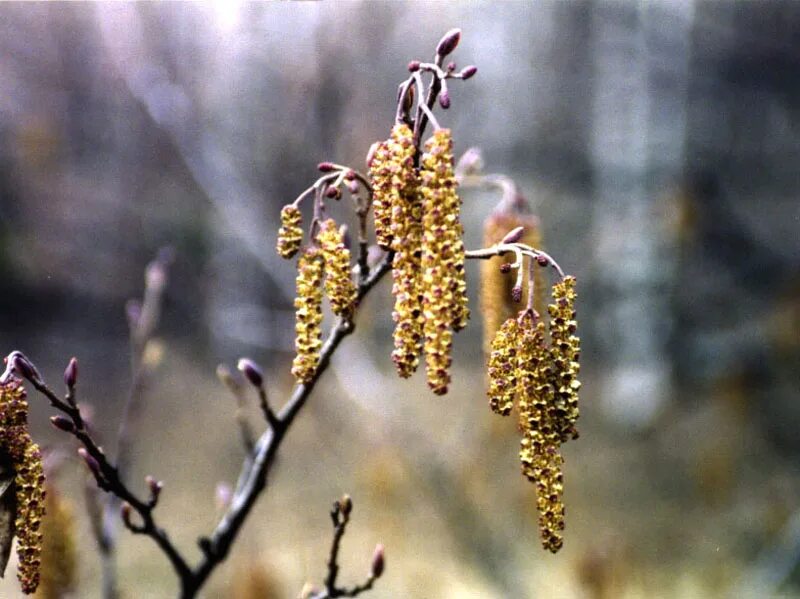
<point x="540" y="376"/>
<point x="322" y="269"/>
<point x="417" y="215"/>
<point x="17" y="447"/>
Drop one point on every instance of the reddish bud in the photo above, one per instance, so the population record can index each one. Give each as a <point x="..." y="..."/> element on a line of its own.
<point x="505" y="268"/>
<point x="451" y="66"/>
<point x="71" y="373"/>
<point x="352" y="186"/>
<point x="155" y="487"/>
<point x="125" y="512"/>
<point x="350" y="174"/>
<point x="333" y="193"/>
<point x="251" y="371"/>
<point x="326" y="167"/>
<point x="448" y="42"/>
<point x="468" y="72"/>
<point x="378" y="561"/>
<point x="444" y="99"/>
<point x="64" y="424"/>
<point x="516" y="293"/>
<point x="514" y="235"/>
<point x="542" y="260"/>
<point x="413" y="66"/>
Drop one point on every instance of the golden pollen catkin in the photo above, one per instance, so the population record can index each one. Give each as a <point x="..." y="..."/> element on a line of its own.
<point x="290" y="235"/>
<point x="503" y="368"/>
<point x="496" y="300"/>
<point x="539" y="448"/>
<point x="565" y="353"/>
<point x="339" y="286"/>
<point x="26" y="459"/>
<point x="443" y="281"/>
<point x="308" y="314"/>
<point x="391" y="170"/>
<point x="407" y="284"/>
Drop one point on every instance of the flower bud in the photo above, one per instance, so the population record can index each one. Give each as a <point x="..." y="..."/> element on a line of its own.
<point x="516" y="293"/>
<point x="251" y="371"/>
<point x="155" y="487"/>
<point x="444" y="99"/>
<point x="505" y="267"/>
<point x="71" y="373"/>
<point x="514" y="235"/>
<point x="413" y="66"/>
<point x="326" y="167"/>
<point x="451" y="66"/>
<point x="448" y="42"/>
<point x="333" y="193"/>
<point x="346" y="505"/>
<point x="93" y="464"/>
<point x="468" y="72"/>
<point x="378" y="561"/>
<point x="24" y="367"/>
<point x="64" y="424"/>
<point x="542" y="260"/>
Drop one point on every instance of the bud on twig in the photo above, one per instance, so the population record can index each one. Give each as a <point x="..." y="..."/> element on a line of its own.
<point x="24" y="367"/>
<point x="444" y="99"/>
<point x="413" y="66"/>
<point x="451" y="66"/>
<point x="326" y="167"/>
<point x="516" y="293"/>
<point x="251" y="371"/>
<point x="333" y="193"/>
<point x="64" y="424"/>
<point x="505" y="268"/>
<point x="346" y="505"/>
<point x="514" y="235"/>
<point x="125" y="511"/>
<point x="71" y="373"/>
<point x="93" y="464"/>
<point x="155" y="487"/>
<point x="542" y="260"/>
<point x="378" y="562"/>
<point x="468" y="72"/>
<point x="448" y="42"/>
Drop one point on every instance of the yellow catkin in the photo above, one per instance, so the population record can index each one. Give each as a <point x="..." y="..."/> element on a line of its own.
<point x="16" y="443"/>
<point x="539" y="449"/>
<point x="290" y="235"/>
<point x="503" y="368"/>
<point x="496" y="303"/>
<point x="339" y="286"/>
<point x="308" y="314"/>
<point x="565" y="353"/>
<point x="391" y="170"/>
<point x="407" y="284"/>
<point x="59" y="561"/>
<point x="443" y="282"/>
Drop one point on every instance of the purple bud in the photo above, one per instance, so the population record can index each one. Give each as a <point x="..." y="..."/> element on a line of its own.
<point x="514" y="235"/>
<point x="448" y="42"/>
<point x="451" y="66"/>
<point x="326" y="167"/>
<point x="444" y="99"/>
<point x="505" y="268"/>
<point x="468" y="72"/>
<point x="71" y="373"/>
<point x="542" y="260"/>
<point x="251" y="371"/>
<point x="352" y="186"/>
<point x="378" y="561"/>
<point x="350" y="174"/>
<point x="64" y="424"/>
<point x="333" y="193"/>
<point x="413" y="66"/>
<point x="24" y="367"/>
<point x="92" y="463"/>
<point x="516" y="293"/>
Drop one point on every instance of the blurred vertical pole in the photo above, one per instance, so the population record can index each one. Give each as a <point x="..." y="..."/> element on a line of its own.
<point x="640" y="54"/>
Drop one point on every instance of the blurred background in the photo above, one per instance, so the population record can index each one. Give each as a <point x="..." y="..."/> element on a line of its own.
<point x="659" y="142"/>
